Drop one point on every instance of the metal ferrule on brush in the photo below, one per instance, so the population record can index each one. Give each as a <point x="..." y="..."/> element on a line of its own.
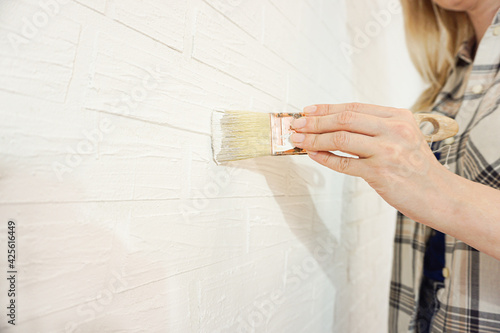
<point x="281" y="130"/>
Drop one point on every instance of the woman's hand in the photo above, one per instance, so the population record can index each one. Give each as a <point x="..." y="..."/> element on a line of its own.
<point x="394" y="157"/>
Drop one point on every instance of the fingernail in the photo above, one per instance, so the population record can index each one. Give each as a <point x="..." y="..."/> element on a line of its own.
<point x="299" y="123"/>
<point x="298" y="137"/>
<point x="310" y="109"/>
<point x="312" y="153"/>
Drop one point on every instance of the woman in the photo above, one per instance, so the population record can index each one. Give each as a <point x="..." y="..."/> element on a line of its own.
<point x="446" y="271"/>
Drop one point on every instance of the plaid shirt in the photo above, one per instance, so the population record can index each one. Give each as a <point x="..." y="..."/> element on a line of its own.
<point x="470" y="300"/>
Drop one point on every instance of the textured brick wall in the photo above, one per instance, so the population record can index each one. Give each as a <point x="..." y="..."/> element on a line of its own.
<point x="125" y="224"/>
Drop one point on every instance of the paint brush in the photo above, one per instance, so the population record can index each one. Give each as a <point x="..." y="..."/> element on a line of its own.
<point x="238" y="135"/>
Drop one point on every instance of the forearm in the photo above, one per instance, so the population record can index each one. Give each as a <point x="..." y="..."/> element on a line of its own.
<point x="464" y="209"/>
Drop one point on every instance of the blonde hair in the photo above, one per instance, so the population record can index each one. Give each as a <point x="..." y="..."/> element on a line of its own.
<point x="433" y="38"/>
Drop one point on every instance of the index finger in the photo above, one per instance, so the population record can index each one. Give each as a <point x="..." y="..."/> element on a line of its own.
<point x="326" y="109"/>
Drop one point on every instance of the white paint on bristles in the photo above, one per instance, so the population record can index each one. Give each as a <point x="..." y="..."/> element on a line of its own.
<point x="126" y="224"/>
<point x="238" y="135"/>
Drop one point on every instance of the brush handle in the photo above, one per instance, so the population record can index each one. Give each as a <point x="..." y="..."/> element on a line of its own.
<point x="443" y="127"/>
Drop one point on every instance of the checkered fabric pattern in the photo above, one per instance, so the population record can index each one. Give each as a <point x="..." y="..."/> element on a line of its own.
<point x="470" y="300"/>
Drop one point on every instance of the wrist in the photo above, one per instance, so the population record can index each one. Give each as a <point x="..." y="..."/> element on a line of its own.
<point x="444" y="200"/>
<point x="436" y="200"/>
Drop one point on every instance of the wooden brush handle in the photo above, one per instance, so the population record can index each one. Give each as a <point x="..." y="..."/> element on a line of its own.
<point x="444" y="127"/>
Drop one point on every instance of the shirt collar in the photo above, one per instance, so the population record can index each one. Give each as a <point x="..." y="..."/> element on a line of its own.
<point x="467" y="47"/>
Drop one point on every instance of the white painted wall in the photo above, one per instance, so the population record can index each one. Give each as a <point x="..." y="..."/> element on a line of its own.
<point x="124" y="222"/>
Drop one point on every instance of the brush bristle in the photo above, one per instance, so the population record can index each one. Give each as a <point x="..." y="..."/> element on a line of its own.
<point x="238" y="135"/>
